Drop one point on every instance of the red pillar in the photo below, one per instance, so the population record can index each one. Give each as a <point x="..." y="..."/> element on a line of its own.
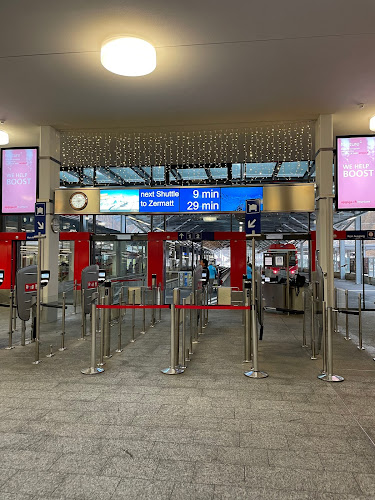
<point x="81" y="258"/>
<point x="155" y="262"/>
<point x="238" y="262"/>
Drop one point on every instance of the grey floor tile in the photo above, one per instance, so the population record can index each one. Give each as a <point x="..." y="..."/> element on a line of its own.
<point x="33" y="483"/>
<point x="193" y="452"/>
<point x="27" y="460"/>
<point x="366" y="483"/>
<point x="83" y="487"/>
<point x="175" y="470"/>
<point x="216" y="473"/>
<point x="250" y="493"/>
<point x="18" y="441"/>
<point x="142" y="489"/>
<point x="319" y="444"/>
<point x="125" y="447"/>
<point x="242" y="456"/>
<point x="59" y="444"/>
<point x="127" y="466"/>
<point x="75" y="463"/>
<point x="295" y="459"/>
<point x="190" y="491"/>
<point x="220" y="438"/>
<point x="16" y="496"/>
<point x="267" y="441"/>
<point x="347" y="462"/>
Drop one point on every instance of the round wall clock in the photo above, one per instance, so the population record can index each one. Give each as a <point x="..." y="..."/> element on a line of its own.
<point x="78" y="201"/>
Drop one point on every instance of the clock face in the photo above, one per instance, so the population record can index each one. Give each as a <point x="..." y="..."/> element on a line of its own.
<point x="78" y="201"/>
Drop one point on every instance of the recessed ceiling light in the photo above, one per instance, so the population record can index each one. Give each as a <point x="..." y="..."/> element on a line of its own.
<point x="128" y="56"/>
<point x="372" y="123"/>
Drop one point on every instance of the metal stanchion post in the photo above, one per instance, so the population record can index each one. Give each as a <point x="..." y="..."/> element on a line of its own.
<point x="93" y="370"/>
<point x="10" y="334"/>
<point x="347" y="315"/>
<point x="14" y="310"/>
<point x="107" y="323"/>
<point x="255" y="372"/>
<point x="183" y="353"/>
<point x="75" y="296"/>
<point x="195" y="317"/>
<point x="50" y="355"/>
<point x="360" y="340"/>
<point x="143" y="302"/>
<point x="191" y="301"/>
<point x="63" y="348"/>
<point x="244" y="312"/>
<point x="336" y="324"/>
<point x="159" y="302"/>
<point x="153" y="295"/>
<point x="83" y="315"/>
<point x="247" y="331"/>
<point x="38" y="289"/>
<point x="173" y="369"/>
<point x="304" y="344"/>
<point x="313" y="346"/>
<point x="133" y="317"/>
<point x="329" y="376"/>
<point x="102" y="331"/>
<point x="200" y="302"/>
<point x="324" y="338"/>
<point x="119" y="349"/>
<point x="23" y="332"/>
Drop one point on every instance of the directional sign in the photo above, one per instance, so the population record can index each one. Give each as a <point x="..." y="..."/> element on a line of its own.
<point x="360" y="235"/>
<point x="205" y="236"/>
<point x="40" y="218"/>
<point x="252" y="217"/>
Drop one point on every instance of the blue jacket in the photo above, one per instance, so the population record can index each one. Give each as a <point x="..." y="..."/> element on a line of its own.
<point x="249" y="272"/>
<point x="213" y="271"/>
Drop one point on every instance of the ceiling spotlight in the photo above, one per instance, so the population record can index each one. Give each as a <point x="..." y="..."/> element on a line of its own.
<point x="128" y="56"/>
<point x="372" y="123"/>
<point x="4" y="138"/>
<point x="209" y="218"/>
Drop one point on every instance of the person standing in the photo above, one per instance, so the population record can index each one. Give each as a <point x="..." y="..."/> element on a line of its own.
<point x="249" y="271"/>
<point x="212" y="275"/>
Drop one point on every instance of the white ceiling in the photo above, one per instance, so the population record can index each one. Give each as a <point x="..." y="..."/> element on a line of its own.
<point x="219" y="62"/>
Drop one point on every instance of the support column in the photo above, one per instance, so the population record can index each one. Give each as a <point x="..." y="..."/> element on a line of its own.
<point x="238" y="262"/>
<point x="49" y="180"/>
<point x="358" y="254"/>
<point x="324" y="205"/>
<point x="343" y="269"/>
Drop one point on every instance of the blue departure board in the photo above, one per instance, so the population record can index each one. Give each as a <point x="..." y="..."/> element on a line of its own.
<point x="159" y="200"/>
<point x="200" y="200"/>
<point x="178" y="200"/>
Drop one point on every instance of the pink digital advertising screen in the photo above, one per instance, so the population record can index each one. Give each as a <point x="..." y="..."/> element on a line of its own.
<point x="355" y="173"/>
<point x="19" y="180"/>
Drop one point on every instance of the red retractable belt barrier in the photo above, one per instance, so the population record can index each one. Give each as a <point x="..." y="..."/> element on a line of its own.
<point x="131" y="306"/>
<point x="212" y="307"/>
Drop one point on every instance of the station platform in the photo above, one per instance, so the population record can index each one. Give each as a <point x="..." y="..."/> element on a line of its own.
<point x="209" y="433"/>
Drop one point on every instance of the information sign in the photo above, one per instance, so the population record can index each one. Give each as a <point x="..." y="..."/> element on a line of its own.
<point x="19" y="180"/>
<point x="178" y="200"/>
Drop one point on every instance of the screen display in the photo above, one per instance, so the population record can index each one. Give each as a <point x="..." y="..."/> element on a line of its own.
<point x="19" y="180"/>
<point x="119" y="200"/>
<point x="175" y="200"/>
<point x="355" y="173"/>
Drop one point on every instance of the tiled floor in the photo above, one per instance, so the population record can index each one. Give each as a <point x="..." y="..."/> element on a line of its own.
<point x="210" y="433"/>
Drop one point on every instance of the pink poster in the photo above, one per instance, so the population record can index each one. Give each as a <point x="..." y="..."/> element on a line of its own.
<point x="19" y="178"/>
<point x="356" y="173"/>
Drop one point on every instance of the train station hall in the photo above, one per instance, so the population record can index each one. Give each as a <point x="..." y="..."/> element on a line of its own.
<point x="187" y="250"/>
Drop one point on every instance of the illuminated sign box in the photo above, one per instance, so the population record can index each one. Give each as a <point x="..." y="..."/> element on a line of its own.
<point x="19" y="180"/>
<point x="355" y="173"/>
<point x="177" y="200"/>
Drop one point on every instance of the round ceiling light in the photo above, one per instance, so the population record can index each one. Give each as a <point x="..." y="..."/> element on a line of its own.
<point x="372" y="123"/>
<point x="4" y="138"/>
<point x="128" y="56"/>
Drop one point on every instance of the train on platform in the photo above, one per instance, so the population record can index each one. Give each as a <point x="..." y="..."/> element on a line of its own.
<point x="276" y="261"/>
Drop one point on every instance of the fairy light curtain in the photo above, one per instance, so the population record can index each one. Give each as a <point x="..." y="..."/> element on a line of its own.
<point x="146" y="156"/>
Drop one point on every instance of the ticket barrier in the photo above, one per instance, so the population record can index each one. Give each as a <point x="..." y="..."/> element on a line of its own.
<point x="282" y="297"/>
<point x="27" y="302"/>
